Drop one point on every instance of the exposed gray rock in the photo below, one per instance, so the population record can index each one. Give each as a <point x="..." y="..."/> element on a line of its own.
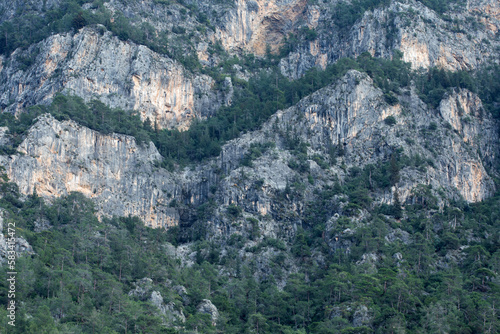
<point x="462" y="38"/>
<point x="169" y="311"/>
<point x="398" y="257"/>
<point x="182" y="291"/>
<point x="424" y="37"/>
<point x="358" y="314"/>
<point x="398" y="235"/>
<point x="369" y="262"/>
<point x="42" y="224"/>
<point x="93" y="64"/>
<point x="207" y="307"/>
<point x="3" y="242"/>
<point x="21" y="246"/>
<point x="362" y="317"/>
<point x="142" y="288"/>
<point x="10" y="9"/>
<point x="4" y="138"/>
<point x="120" y="175"/>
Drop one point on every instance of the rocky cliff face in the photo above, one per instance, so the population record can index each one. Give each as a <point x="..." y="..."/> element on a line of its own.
<point x="460" y="40"/>
<point x="351" y="113"/>
<point x="59" y="157"/>
<point x="93" y="64"/>
<point x="21" y="246"/>
<point x="249" y="26"/>
<point x="254" y="26"/>
<point x="9" y="9"/>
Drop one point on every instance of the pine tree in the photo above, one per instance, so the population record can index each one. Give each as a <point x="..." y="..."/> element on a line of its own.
<point x="394" y="170"/>
<point x="397" y="211"/>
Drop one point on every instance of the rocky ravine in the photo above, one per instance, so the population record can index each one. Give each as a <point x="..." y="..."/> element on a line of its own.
<point x="93" y="64"/>
<point x="120" y="176"/>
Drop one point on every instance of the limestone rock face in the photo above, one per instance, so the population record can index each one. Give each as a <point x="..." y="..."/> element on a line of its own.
<point x="142" y="288"/>
<point x="362" y="317"/>
<point x="60" y="157"/>
<point x="144" y="291"/>
<point x="3" y="243"/>
<point x="207" y="307"/>
<point x="360" y="314"/>
<point x="424" y="37"/>
<point x="351" y="113"/>
<point x="120" y="175"/>
<point x="255" y="25"/>
<point x="21" y="247"/>
<point x="93" y="64"/>
<point x="167" y="310"/>
<point x="250" y="26"/>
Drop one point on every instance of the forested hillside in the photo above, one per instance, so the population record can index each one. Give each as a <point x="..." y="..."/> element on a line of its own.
<point x="250" y="166"/>
<point x="422" y="274"/>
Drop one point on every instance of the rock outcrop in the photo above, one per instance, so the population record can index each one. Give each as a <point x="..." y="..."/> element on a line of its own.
<point x="351" y="114"/>
<point x="9" y="9"/>
<point x="122" y="178"/>
<point x="21" y="246"/>
<point x="462" y="39"/>
<point x="60" y="157"/>
<point x="93" y="64"/>
<point x="144" y="291"/>
<point x="258" y="26"/>
<point x="207" y="307"/>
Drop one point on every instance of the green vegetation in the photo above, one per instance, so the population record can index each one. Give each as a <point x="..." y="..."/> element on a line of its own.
<point x="27" y="29"/>
<point x="96" y="115"/>
<point x="83" y="269"/>
<point x="256" y="150"/>
<point x="256" y="100"/>
<point x="440" y="6"/>
<point x="253" y="104"/>
<point x="390" y="120"/>
<point x="345" y="14"/>
<point x="434" y="84"/>
<point x="417" y="293"/>
<point x="415" y="267"/>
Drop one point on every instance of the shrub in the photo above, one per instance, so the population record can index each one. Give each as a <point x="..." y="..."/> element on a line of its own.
<point x="390" y="120"/>
<point x="234" y="211"/>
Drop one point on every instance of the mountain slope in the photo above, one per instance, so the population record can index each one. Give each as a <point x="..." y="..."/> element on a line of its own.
<point x="284" y="166"/>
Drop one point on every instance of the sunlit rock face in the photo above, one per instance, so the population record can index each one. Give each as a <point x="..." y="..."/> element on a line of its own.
<point x="424" y="37"/>
<point x="93" y="64"/>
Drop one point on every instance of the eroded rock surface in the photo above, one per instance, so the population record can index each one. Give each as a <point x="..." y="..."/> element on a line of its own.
<point x="462" y="39"/>
<point x="93" y="64"/>
<point x="122" y="178"/>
